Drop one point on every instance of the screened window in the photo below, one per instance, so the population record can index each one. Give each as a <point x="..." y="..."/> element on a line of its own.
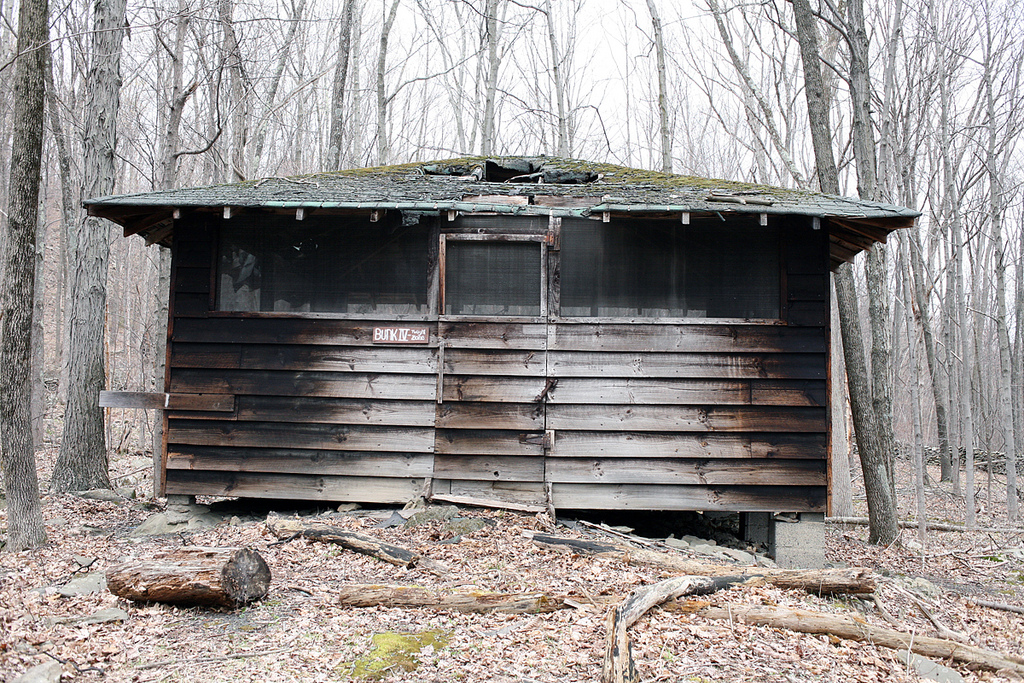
<point x="329" y="264"/>
<point x="708" y="269"/>
<point x="492" y="277"/>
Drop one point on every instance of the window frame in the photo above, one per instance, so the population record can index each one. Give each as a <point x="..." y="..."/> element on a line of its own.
<point x="445" y="237"/>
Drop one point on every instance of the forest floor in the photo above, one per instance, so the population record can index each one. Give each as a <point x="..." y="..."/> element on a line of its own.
<point x="300" y="632"/>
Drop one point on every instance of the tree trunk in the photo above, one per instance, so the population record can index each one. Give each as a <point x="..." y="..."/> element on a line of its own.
<point x="840" y="480"/>
<point x="383" y="144"/>
<point x="663" y="122"/>
<point x="915" y="397"/>
<point x="215" y="577"/>
<point x="25" y="527"/>
<point x="491" y="83"/>
<point x="38" y="353"/>
<point x="337" y="135"/>
<point x="82" y="463"/>
<point x="239" y="105"/>
<point x="881" y="502"/>
<point x="562" y="145"/>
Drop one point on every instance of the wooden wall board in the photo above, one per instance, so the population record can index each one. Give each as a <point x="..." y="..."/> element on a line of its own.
<point x="407" y="360"/>
<point x="489" y="468"/>
<point x="679" y="471"/>
<point x="487" y="442"/>
<point x="254" y="329"/>
<point x="685" y="418"/>
<point x="484" y="335"/>
<point x="300" y="461"/>
<point x="789" y="392"/>
<point x="644" y="391"/>
<point x="195" y="280"/>
<point x="292" y="383"/>
<point x="700" y="498"/>
<point x="494" y="362"/>
<point x="687" y="365"/>
<point x="523" y="493"/>
<point x="463" y="415"/>
<point x="301" y="435"/>
<point x="492" y="389"/>
<point x="668" y="445"/>
<point x="294" y="486"/>
<point x="336" y="411"/>
<point x="750" y="338"/>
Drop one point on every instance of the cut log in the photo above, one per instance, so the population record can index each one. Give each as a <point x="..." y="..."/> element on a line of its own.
<point x="855" y="580"/>
<point x="397" y="555"/>
<point x="215" y="577"/>
<point x="852" y="628"/>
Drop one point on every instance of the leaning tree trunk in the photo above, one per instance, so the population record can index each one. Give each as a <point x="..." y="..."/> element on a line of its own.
<point x="82" y="462"/>
<point x="17" y="248"/>
<point x="663" y="124"/>
<point x="881" y="503"/>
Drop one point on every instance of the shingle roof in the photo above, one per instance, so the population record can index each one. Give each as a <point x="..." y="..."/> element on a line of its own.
<point x="537" y="185"/>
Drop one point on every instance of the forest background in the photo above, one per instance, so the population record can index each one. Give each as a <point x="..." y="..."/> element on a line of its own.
<point x="223" y="91"/>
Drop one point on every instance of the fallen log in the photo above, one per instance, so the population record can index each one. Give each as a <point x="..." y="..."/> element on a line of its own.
<point x="937" y="526"/>
<point x="417" y="597"/>
<point x="397" y="555"/>
<point x="855" y="580"/>
<point x="853" y="628"/>
<point x="216" y="577"/>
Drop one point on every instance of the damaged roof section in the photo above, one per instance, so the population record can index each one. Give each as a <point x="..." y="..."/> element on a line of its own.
<point x="544" y="186"/>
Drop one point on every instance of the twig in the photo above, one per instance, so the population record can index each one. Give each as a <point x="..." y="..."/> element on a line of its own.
<point x="613" y="532"/>
<point x="207" y="660"/>
<point x="285" y="540"/>
<point x="72" y="662"/>
<point x="944" y="631"/>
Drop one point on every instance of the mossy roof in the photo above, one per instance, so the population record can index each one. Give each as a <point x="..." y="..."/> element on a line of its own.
<point x="543" y="185"/>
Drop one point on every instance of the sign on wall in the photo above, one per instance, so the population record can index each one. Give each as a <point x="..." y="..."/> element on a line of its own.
<point x="401" y="335"/>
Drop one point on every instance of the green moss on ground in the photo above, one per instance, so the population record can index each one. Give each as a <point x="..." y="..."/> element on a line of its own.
<point x="392" y="651"/>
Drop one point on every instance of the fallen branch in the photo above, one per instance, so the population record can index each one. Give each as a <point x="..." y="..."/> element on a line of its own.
<point x="852" y="628"/>
<point x="618" y="666"/>
<point x="998" y="605"/>
<point x="937" y="526"/>
<point x="367" y="595"/>
<point x="820" y="581"/>
<point x="397" y="555"/>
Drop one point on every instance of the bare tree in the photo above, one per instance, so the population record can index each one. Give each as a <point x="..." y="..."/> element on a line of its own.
<point x="337" y="134"/>
<point x="664" y="129"/>
<point x="383" y="145"/>
<point x="82" y="462"/>
<point x="17" y="250"/>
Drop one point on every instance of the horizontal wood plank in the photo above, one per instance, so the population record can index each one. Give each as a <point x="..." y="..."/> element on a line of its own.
<point x="518" y="492"/>
<point x="493" y="389"/>
<point x="227" y="329"/>
<point x="290" y="383"/>
<point x="480" y="335"/>
<point x="191" y="304"/>
<point x="195" y="280"/>
<point x="489" y="468"/>
<point x="679" y="471"/>
<point x="488" y="442"/>
<point x="384" y="359"/>
<point x="686" y="418"/>
<point x="494" y="362"/>
<point x="162" y="401"/>
<point x="294" y="486"/>
<point x="192" y="253"/>
<point x="336" y="411"/>
<point x="789" y="393"/>
<point x="300" y="435"/>
<point x="751" y="338"/>
<point x="300" y="461"/>
<point x="462" y="415"/>
<point x="643" y="391"/>
<point x="687" y="365"/>
<point x="699" y="498"/>
<point x="702" y="446"/>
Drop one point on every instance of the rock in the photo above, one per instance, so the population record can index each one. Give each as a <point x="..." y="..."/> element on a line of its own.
<point x="694" y="540"/>
<point x="677" y="543"/>
<point x="931" y="670"/>
<point x="738" y="555"/>
<point x="460" y="526"/>
<point x="44" y="673"/>
<point x="348" y="507"/>
<point x="101" y="617"/>
<point x="432" y="514"/>
<point x="396" y="519"/>
<point x="83" y="561"/>
<point x="922" y="588"/>
<point x="126" y="492"/>
<point x="155" y="525"/>
<point x="704" y="549"/>
<point x="84" y="584"/>
<point x="100" y="494"/>
<point x="234" y="521"/>
<point x="57" y="522"/>
<point x="183" y="514"/>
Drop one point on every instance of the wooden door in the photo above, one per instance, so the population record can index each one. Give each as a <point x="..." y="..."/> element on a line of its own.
<point x="492" y="368"/>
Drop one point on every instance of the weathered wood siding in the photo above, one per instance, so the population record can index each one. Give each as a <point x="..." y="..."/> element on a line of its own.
<point x="650" y="415"/>
<point x="319" y="412"/>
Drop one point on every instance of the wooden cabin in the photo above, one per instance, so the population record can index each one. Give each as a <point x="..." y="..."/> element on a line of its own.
<point x="530" y="332"/>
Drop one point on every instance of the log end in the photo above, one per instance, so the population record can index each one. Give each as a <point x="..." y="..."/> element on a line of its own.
<point x="246" y="577"/>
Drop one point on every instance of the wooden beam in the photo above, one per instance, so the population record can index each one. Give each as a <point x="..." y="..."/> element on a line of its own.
<point x="161" y="401"/>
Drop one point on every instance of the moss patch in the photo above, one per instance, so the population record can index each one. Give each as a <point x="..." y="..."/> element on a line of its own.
<point x="392" y="651"/>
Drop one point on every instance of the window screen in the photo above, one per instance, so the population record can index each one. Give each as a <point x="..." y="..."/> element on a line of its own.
<point x="492" y="278"/>
<point x="329" y="264"/>
<point x="661" y="269"/>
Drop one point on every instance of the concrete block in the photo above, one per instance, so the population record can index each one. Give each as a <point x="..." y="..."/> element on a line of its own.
<point x="755" y="528"/>
<point x="798" y="543"/>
